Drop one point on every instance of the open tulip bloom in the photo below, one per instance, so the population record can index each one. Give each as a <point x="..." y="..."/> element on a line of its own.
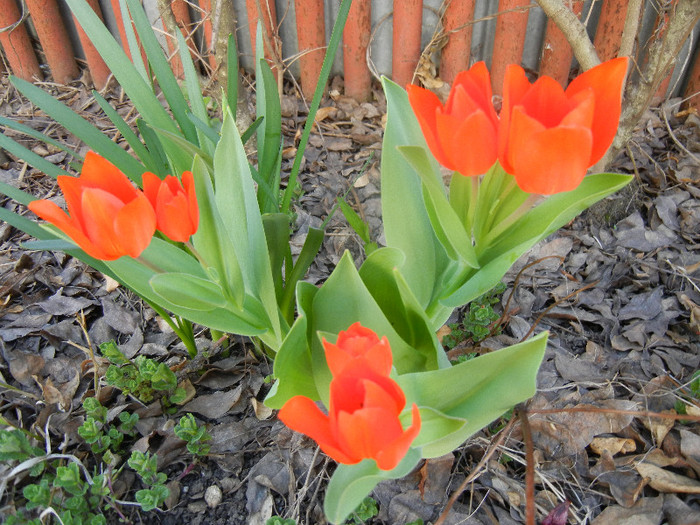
<point x="205" y="245"/>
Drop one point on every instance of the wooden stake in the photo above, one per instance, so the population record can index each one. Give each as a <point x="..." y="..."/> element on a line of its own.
<point x="455" y="54"/>
<point x="54" y="39"/>
<point x="408" y="19"/>
<point x="358" y="81"/>
<point x="311" y="35"/>
<point x="16" y="43"/>
<point x="509" y="40"/>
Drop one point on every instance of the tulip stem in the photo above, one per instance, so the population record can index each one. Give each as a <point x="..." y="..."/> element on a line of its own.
<point x="496" y="231"/>
<point x="194" y="252"/>
<point x="148" y="264"/>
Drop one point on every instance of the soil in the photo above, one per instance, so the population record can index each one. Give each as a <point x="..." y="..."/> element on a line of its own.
<point x="618" y="289"/>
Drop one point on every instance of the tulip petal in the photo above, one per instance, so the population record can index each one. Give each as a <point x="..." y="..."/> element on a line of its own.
<point x="392" y="453"/>
<point x="52" y="213"/>
<point x="98" y="172"/>
<point x="425" y="105"/>
<point x="476" y="83"/>
<point x="515" y="86"/>
<point x="134" y="225"/>
<point x="302" y="415"/>
<point x="367" y="431"/>
<point x="546" y="102"/>
<point x="549" y="161"/>
<point x="607" y="81"/>
<point x="99" y="211"/>
<point x="151" y="185"/>
<point x="470" y="144"/>
<point x="192" y="206"/>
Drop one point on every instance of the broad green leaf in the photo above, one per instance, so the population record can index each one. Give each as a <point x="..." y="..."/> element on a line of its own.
<point x="406" y="222"/>
<point x="237" y="204"/>
<point x="343" y="300"/>
<point x="556" y="211"/>
<point x="132" y="43"/>
<point x="292" y="366"/>
<point x="350" y="484"/>
<point x="189" y="291"/>
<point x="80" y="127"/>
<point x="277" y="235"/>
<point x="180" y="151"/>
<point x="446" y="223"/>
<point x="212" y="241"/>
<point x="480" y="390"/>
<point x="381" y="274"/>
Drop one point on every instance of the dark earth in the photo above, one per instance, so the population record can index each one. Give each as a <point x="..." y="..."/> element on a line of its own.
<point x="618" y="289"/>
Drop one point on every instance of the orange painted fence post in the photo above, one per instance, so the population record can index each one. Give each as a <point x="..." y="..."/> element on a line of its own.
<point x="206" y="13"/>
<point x="311" y="35"/>
<point x="269" y="18"/>
<point x="692" y="84"/>
<point x="98" y="69"/>
<point x="54" y="39"/>
<point x="408" y="19"/>
<point x="16" y="43"/>
<point x="608" y="34"/>
<point x="455" y="54"/>
<point x="509" y="41"/>
<point x="358" y="81"/>
<point x="557" y="54"/>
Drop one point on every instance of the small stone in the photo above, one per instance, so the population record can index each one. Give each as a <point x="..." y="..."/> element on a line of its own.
<point x="213" y="496"/>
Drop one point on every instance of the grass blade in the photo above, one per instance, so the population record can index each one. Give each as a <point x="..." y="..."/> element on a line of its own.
<point x="161" y="69"/>
<point x="28" y="156"/>
<point x="31" y="132"/>
<point x="132" y="80"/>
<point x="232" y="75"/>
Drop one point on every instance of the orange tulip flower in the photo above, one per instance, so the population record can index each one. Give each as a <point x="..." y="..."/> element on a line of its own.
<point x="549" y="137"/>
<point x="362" y="421"/>
<point x="358" y="342"/>
<point x="365" y="404"/>
<point x="175" y="203"/>
<point x="462" y="134"/>
<point x="107" y="216"/>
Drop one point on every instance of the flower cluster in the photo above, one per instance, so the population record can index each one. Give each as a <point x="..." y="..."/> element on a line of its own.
<point x="545" y="136"/>
<point x="365" y="403"/>
<point x="109" y="218"/>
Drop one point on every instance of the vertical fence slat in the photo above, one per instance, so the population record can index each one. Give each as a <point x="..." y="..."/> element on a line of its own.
<point x="556" y="51"/>
<point x="98" y="69"/>
<point x="406" y="41"/>
<point x="509" y="40"/>
<point x="16" y="43"/>
<point x="119" y="19"/>
<point x="358" y="81"/>
<point x="205" y="5"/>
<point x="54" y="39"/>
<point x="455" y="54"/>
<point x="311" y="36"/>
<point x="692" y="85"/>
<point x="608" y="34"/>
<point x="269" y="17"/>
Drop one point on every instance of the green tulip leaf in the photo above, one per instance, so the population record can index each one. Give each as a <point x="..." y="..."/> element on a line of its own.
<point x="446" y="223"/>
<point x="350" y="484"/>
<point x="406" y="222"/>
<point x="480" y="390"/>
<point x="183" y="289"/>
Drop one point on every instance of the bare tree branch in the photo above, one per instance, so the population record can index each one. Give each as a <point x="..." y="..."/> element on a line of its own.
<point x="629" y="33"/>
<point x="663" y="53"/>
<point x="574" y="30"/>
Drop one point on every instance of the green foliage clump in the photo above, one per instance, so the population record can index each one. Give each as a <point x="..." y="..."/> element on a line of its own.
<point x="142" y="377"/>
<point x="366" y="510"/>
<point x="477" y="323"/>
<point x="196" y="436"/>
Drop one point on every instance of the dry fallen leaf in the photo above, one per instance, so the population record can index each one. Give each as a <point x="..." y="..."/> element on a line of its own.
<point x="613" y="445"/>
<point x="666" y="481"/>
